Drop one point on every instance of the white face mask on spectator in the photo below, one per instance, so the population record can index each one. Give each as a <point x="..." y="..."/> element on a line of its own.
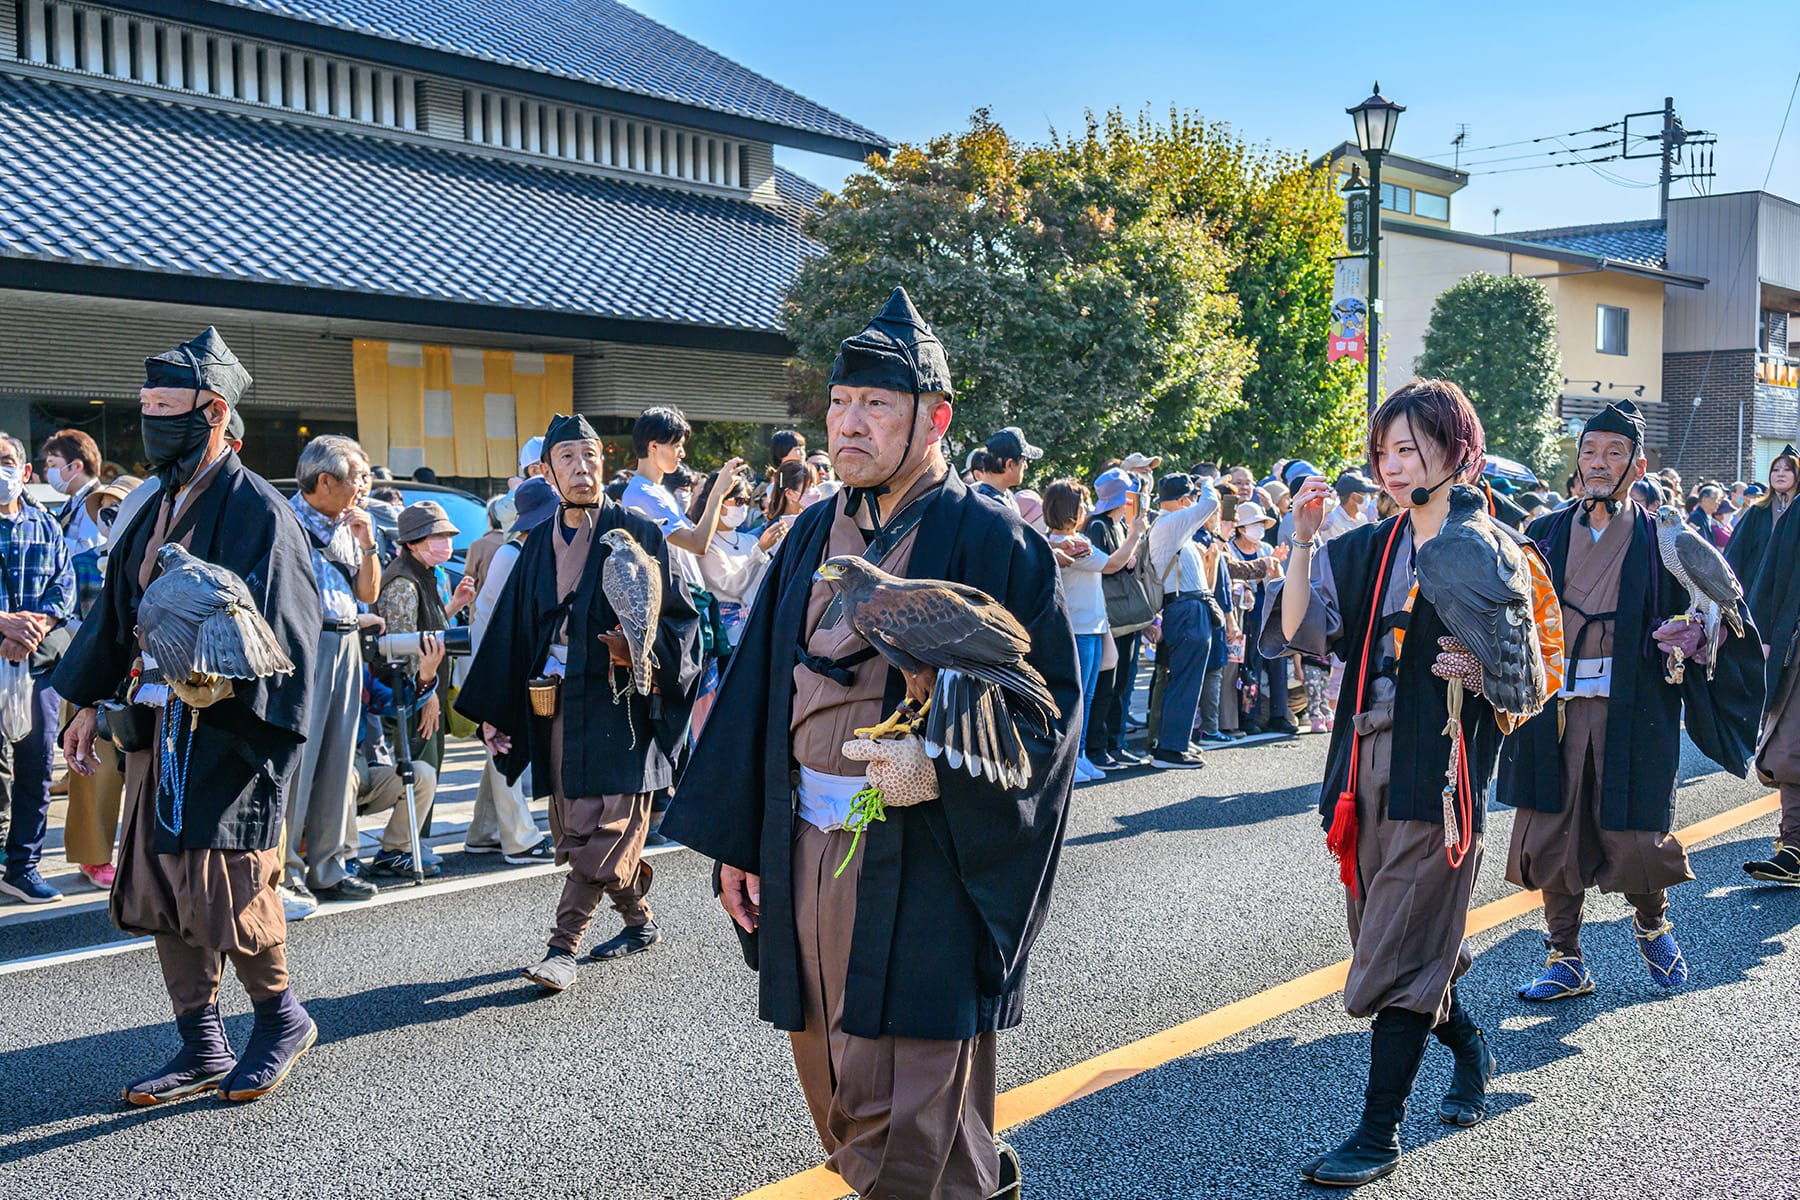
<point x="12" y="482"/>
<point x="732" y="515"/>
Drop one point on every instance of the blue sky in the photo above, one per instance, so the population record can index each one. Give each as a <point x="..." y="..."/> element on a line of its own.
<point x="1284" y="72"/>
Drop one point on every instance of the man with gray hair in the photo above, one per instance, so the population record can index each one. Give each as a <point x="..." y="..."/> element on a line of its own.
<point x="334" y="478"/>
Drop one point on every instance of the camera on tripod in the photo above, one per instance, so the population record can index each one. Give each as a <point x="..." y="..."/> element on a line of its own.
<point x="402" y="647"/>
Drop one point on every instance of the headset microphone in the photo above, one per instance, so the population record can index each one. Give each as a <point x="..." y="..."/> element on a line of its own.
<point x="1422" y="496"/>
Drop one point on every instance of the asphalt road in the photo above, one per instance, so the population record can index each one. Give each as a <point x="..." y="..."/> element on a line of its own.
<point x="441" y="1073"/>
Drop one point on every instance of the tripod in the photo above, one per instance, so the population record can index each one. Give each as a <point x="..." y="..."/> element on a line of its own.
<point x="405" y="709"/>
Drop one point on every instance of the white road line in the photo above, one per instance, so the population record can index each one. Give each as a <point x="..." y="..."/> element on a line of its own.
<point x="396" y="893"/>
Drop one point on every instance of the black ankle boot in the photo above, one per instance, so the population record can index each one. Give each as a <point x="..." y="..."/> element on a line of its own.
<point x="204" y="1058"/>
<point x="1395" y="1052"/>
<point x="1465" y="1103"/>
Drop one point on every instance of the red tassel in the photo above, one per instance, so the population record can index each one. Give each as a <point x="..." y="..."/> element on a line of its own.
<point x="1341" y="840"/>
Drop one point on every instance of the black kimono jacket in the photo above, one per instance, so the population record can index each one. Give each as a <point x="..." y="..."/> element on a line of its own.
<point x="609" y="748"/>
<point x="954" y="891"/>
<point x="1774" y="598"/>
<point x="1643" y="713"/>
<point x="1749" y="539"/>
<point x="1421" y="700"/>
<point x="245" y="748"/>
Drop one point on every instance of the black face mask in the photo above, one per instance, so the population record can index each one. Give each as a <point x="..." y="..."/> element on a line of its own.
<point x="175" y="445"/>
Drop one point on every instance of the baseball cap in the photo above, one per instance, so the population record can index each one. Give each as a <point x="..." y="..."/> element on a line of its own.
<point x="1010" y="443"/>
<point x="1174" y="487"/>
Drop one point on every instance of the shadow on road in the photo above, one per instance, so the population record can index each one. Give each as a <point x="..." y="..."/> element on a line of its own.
<point x="1241" y="1123"/>
<point x="109" y="1060"/>
<point x="1208" y="812"/>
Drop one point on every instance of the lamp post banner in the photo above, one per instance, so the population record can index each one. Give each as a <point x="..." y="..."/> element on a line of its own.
<point x="1349" y="311"/>
<point x="1356" y="223"/>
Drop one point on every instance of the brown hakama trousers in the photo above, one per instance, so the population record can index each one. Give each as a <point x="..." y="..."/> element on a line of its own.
<point x="900" y="1118"/>
<point x="1411" y="909"/>
<point x="200" y="905"/>
<point x="1565" y="853"/>
<point x="601" y="838"/>
<point x="1778" y="756"/>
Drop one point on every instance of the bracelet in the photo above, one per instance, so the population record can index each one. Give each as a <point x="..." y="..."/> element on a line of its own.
<point x="1304" y="544"/>
<point x="371" y="551"/>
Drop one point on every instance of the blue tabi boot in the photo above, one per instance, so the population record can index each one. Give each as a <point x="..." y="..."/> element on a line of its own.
<point x="281" y="1034"/>
<point x="204" y="1058"/>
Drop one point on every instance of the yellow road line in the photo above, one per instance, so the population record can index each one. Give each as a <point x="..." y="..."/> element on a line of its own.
<point x="1032" y="1100"/>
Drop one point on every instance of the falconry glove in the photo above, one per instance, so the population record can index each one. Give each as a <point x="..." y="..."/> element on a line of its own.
<point x="899" y="768"/>
<point x="1456" y="661"/>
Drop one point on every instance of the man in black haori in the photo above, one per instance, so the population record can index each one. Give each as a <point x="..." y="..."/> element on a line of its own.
<point x="892" y="964"/>
<point x="1594" y="775"/>
<point x="199" y="844"/>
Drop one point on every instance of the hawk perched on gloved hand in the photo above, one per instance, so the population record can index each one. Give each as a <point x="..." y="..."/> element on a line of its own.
<point x="1475" y="575"/>
<point x="200" y="623"/>
<point x="1713" y="590"/>
<point x="963" y="656"/>
<point x="632" y="583"/>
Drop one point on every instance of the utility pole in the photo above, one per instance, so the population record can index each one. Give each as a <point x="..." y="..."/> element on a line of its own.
<point x="1668" y="154"/>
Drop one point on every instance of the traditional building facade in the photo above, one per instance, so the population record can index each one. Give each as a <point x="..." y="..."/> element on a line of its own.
<point x="428" y="225"/>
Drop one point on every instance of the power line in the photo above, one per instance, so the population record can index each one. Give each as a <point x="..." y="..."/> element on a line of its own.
<point x="1543" y="153"/>
<point x="1529" y="141"/>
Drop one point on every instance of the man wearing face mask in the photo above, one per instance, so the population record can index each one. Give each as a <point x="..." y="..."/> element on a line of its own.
<point x="199" y="853"/>
<point x="37" y="596"/>
<point x="542" y="687"/>
<point x="893" y="975"/>
<point x="1594" y="775"/>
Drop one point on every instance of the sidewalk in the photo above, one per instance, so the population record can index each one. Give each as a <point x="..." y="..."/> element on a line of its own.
<point x="463" y="762"/>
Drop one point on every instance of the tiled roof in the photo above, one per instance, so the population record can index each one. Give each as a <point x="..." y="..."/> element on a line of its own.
<point x="597" y="41"/>
<point x="1644" y="243"/>
<point x="99" y="178"/>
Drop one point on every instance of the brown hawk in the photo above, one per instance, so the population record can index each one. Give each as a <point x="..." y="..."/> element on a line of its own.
<point x="963" y="657"/>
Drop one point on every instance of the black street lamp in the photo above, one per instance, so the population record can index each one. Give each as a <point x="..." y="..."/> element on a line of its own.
<point x="1375" y="120"/>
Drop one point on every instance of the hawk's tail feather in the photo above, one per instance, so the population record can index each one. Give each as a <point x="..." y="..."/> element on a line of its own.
<point x="971" y="727"/>
<point x="236" y="643"/>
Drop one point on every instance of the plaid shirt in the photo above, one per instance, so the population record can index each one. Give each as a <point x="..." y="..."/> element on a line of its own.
<point x="34" y="564"/>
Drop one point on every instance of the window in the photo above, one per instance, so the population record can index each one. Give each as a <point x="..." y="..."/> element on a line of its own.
<point x="1613" y="334"/>
<point x="1396" y="199"/>
<point x="1431" y="205"/>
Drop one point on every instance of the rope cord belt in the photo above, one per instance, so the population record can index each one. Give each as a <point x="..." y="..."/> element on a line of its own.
<point x="1340" y="839"/>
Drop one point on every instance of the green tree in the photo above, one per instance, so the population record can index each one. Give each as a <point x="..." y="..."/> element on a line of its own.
<point x="1073" y="299"/>
<point x="1494" y="336"/>
<point x="1282" y="223"/>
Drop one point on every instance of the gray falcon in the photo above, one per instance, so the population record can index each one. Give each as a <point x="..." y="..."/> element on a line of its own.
<point x="1475" y="575"/>
<point x="1713" y="589"/>
<point x="200" y="623"/>
<point x="632" y="583"/>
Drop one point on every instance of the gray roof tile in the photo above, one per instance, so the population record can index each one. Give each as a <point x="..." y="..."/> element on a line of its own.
<point x="1643" y="243"/>
<point x="597" y="41"/>
<point x="95" y="176"/>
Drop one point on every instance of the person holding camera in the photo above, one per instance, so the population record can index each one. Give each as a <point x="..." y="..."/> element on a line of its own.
<point x="411" y="603"/>
<point x="334" y="479"/>
<point x="542" y="687"/>
<point x="199" y="853"/>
